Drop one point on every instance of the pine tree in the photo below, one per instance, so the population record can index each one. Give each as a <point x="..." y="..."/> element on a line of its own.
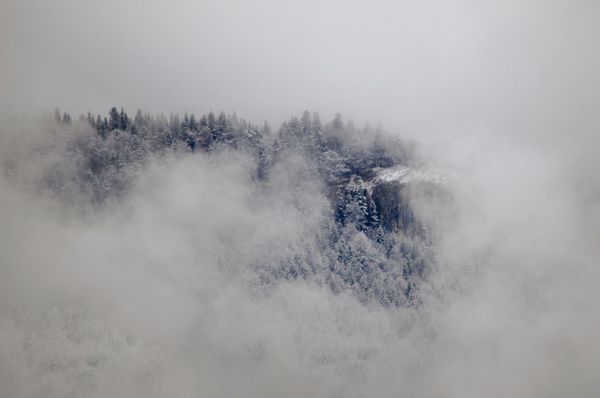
<point x="66" y="119"/>
<point x="306" y="124"/>
<point x="223" y="130"/>
<point x="193" y="124"/>
<point x="114" y="119"/>
<point x="90" y="120"/>
<point x="338" y="123"/>
<point x="123" y="120"/>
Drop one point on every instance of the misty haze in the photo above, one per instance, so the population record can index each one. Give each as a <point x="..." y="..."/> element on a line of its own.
<point x="299" y="199"/>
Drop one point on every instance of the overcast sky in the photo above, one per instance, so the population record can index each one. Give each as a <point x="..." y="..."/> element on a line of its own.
<point x="415" y="66"/>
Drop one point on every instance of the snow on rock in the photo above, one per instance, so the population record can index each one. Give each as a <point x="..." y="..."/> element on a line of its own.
<point x="405" y="175"/>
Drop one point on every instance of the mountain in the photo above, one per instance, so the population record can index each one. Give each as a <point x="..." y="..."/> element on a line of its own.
<point x="371" y="242"/>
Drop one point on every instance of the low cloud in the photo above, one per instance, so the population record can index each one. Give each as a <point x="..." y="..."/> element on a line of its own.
<point x="170" y="290"/>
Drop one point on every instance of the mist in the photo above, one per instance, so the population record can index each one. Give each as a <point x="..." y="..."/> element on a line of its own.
<point x="186" y="281"/>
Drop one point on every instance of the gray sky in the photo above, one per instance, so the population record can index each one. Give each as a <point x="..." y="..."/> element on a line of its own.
<point x="416" y="66"/>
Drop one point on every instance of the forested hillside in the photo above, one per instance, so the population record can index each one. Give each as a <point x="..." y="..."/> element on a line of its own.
<point x="370" y="241"/>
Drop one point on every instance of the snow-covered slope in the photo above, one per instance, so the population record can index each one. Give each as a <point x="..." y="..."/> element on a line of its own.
<point x="404" y="175"/>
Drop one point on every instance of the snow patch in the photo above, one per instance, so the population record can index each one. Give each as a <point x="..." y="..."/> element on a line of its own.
<point x="405" y="175"/>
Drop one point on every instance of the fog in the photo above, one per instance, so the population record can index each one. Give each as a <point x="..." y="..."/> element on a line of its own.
<point x="169" y="291"/>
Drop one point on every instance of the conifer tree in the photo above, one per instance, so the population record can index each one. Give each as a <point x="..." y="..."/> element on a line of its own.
<point x="114" y="119"/>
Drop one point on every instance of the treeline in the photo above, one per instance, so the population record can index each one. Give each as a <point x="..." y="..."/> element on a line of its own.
<point x="337" y="146"/>
<point x="111" y="149"/>
<point x="371" y="243"/>
<point x="197" y="133"/>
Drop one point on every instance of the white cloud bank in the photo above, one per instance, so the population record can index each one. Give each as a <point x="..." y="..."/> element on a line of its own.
<point x="161" y="295"/>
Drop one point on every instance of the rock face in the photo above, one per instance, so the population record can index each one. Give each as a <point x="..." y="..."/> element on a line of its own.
<point x="392" y="202"/>
<point x="385" y="199"/>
